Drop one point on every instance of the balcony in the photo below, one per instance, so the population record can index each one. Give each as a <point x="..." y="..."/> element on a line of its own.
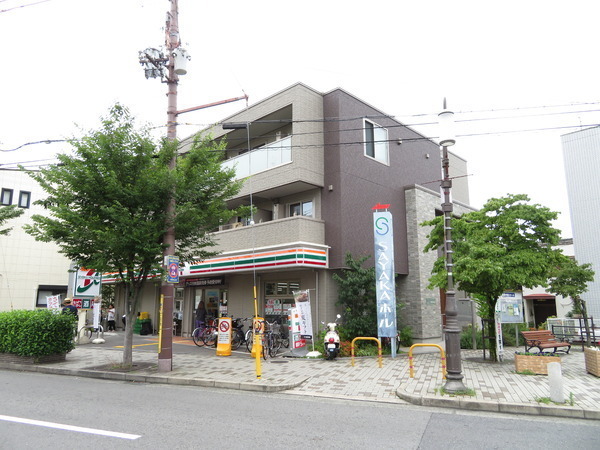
<point x="275" y="232"/>
<point x="263" y="158"/>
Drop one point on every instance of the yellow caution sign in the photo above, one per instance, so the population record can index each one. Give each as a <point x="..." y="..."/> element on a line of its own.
<point x="224" y="337"/>
<point x="258" y="325"/>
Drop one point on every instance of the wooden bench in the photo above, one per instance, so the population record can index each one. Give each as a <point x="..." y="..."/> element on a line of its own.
<point x="542" y="339"/>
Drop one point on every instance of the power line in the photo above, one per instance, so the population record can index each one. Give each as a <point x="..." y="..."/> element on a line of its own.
<point x="391" y="117"/>
<point x="45" y="141"/>
<point x="23" y="6"/>
<point x="404" y="140"/>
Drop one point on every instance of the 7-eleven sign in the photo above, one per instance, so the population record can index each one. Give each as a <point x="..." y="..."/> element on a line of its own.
<point x="87" y="282"/>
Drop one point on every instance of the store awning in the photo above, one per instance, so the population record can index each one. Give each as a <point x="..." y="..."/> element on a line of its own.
<point x="539" y="297"/>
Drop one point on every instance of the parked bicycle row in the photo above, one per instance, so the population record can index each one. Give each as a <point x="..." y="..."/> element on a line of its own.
<point x="274" y="336"/>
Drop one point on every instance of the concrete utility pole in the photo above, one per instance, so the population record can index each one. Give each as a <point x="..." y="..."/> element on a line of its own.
<point x="154" y="63"/>
<point x="165" y="356"/>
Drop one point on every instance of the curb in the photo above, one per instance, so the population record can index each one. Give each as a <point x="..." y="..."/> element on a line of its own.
<point x="259" y="386"/>
<point x="573" y="412"/>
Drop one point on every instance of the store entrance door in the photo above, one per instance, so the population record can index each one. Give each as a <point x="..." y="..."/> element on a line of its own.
<point x="215" y="302"/>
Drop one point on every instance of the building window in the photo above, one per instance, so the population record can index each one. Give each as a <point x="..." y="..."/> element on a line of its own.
<point x="24" y="199"/>
<point x="301" y="209"/>
<point x="47" y="291"/>
<point x="7" y="196"/>
<point x="376" y="142"/>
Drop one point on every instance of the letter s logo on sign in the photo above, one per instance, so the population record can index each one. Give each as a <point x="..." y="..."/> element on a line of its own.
<point x="381" y="226"/>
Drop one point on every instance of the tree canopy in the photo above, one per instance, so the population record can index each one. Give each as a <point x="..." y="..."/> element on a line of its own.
<point x="508" y="244"/>
<point x="7" y="213"/>
<point x="570" y="279"/>
<point x="107" y="201"/>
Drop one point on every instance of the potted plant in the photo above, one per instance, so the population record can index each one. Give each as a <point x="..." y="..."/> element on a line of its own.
<point x="526" y="362"/>
<point x="592" y="360"/>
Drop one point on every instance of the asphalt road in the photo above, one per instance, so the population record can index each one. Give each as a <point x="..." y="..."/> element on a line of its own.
<point x="62" y="412"/>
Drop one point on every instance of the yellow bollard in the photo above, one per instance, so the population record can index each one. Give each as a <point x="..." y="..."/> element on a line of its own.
<point x="410" y="358"/>
<point x="258" y="325"/>
<point x="379" y="357"/>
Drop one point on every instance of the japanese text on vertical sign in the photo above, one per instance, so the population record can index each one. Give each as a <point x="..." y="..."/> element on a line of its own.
<point x="384" y="274"/>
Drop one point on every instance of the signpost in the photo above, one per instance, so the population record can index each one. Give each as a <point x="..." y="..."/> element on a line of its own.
<point x="385" y="282"/>
<point x="87" y="283"/>
<point x="224" y="337"/>
<point x="173" y="269"/>
<point x="509" y="309"/>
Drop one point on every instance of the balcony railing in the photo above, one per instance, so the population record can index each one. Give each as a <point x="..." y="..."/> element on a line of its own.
<point x="290" y="229"/>
<point x="261" y="159"/>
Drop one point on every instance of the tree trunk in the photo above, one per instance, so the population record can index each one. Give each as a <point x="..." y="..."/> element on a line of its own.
<point x="128" y="341"/>
<point x="491" y="332"/>
<point x="583" y="308"/>
<point x="131" y="295"/>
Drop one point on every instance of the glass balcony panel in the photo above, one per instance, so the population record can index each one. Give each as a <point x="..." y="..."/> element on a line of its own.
<point x="261" y="159"/>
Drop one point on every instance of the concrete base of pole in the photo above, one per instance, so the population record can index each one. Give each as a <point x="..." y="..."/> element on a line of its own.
<point x="165" y="365"/>
<point x="454" y="386"/>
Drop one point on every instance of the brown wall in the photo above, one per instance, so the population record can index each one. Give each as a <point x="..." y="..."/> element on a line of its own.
<point x="359" y="183"/>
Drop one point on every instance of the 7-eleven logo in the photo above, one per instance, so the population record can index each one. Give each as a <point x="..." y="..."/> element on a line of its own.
<point x="88" y="282"/>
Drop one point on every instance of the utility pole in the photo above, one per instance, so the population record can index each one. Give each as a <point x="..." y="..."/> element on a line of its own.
<point x="165" y="356"/>
<point x="154" y="62"/>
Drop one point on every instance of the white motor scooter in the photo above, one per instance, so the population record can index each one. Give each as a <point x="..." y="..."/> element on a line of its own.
<point x="332" y="340"/>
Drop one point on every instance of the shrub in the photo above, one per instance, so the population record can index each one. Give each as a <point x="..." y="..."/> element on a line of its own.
<point x="345" y="348"/>
<point x="405" y="336"/>
<point x="466" y="338"/>
<point x="36" y="333"/>
<point x="508" y="336"/>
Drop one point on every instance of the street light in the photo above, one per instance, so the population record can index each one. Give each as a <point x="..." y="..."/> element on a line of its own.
<point x="452" y="330"/>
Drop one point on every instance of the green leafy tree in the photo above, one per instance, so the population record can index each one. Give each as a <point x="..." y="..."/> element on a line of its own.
<point x="570" y="279"/>
<point x="357" y="297"/>
<point x="107" y="203"/>
<point x="7" y="213"/>
<point x="505" y="245"/>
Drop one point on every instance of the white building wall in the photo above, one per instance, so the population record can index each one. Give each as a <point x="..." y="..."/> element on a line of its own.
<point x="26" y="263"/>
<point x="563" y="304"/>
<point x="581" y="152"/>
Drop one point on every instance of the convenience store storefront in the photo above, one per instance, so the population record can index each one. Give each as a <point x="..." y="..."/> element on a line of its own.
<point x="226" y="285"/>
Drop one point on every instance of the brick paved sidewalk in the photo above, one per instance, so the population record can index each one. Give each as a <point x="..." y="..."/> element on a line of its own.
<point x="496" y="385"/>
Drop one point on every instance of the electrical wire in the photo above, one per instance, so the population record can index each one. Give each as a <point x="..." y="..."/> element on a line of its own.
<point x="232" y="140"/>
<point x="415" y="139"/>
<point x="23" y="6"/>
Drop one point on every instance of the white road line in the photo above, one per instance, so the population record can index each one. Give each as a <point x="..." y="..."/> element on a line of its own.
<point x="60" y="426"/>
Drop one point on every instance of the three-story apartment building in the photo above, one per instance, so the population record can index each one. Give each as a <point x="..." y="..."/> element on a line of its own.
<point x="314" y="165"/>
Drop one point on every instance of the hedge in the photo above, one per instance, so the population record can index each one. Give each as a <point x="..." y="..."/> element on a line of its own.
<point x="36" y="333"/>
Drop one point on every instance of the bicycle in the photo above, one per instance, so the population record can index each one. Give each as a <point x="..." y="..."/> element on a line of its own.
<point x="271" y="339"/>
<point x="249" y="338"/>
<point x="210" y="333"/>
<point x="237" y="334"/>
<point x="89" y="330"/>
<point x="197" y="335"/>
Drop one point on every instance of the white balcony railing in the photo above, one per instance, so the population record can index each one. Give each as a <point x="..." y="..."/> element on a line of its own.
<point x="261" y="159"/>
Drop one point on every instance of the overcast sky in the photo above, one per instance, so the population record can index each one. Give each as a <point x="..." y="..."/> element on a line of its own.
<point x="518" y="74"/>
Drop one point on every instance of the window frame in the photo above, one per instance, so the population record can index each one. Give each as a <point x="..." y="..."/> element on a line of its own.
<point x="300" y="205"/>
<point x="21" y="195"/>
<point x="53" y="289"/>
<point x="10" y="193"/>
<point x="373" y="144"/>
